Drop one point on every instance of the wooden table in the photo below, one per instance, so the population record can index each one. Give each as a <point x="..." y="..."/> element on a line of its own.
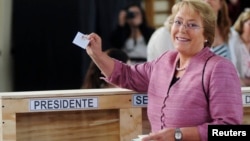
<point x="76" y="115"/>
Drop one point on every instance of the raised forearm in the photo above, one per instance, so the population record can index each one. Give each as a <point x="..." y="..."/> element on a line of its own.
<point x="104" y="63"/>
<point x="100" y="58"/>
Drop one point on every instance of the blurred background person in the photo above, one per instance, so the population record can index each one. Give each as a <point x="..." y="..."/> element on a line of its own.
<point x="132" y="33"/>
<point x="93" y="77"/>
<point x="234" y="9"/>
<point x="240" y="44"/>
<point x="159" y="42"/>
<point x="222" y="29"/>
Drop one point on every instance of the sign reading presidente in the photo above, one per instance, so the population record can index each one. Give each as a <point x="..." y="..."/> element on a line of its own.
<point x="62" y="104"/>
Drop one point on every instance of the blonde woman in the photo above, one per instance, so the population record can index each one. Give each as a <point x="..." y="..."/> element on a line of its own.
<point x="182" y="100"/>
<point x="240" y="44"/>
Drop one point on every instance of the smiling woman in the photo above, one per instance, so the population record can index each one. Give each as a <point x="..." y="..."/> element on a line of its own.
<point x="185" y="101"/>
<point x="183" y="35"/>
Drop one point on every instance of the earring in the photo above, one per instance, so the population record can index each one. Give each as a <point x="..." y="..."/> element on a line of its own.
<point x="205" y="41"/>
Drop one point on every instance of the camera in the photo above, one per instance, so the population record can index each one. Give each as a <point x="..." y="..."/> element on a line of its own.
<point x="130" y="15"/>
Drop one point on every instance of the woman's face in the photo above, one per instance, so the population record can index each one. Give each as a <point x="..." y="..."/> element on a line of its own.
<point x="246" y="27"/>
<point x="137" y="20"/>
<point x="187" y="32"/>
<point x="215" y="4"/>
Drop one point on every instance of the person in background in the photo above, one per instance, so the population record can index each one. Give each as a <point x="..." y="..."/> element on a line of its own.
<point x="185" y="86"/>
<point x="234" y="9"/>
<point x="159" y="42"/>
<point x="93" y="76"/>
<point x="132" y="33"/>
<point x="222" y="29"/>
<point x="240" y="43"/>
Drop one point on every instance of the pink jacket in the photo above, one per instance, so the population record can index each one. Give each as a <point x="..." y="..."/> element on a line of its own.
<point x="186" y="103"/>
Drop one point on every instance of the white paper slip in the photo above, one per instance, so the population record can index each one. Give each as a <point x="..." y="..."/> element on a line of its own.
<point x="81" y="40"/>
<point x="142" y="136"/>
<point x="139" y="138"/>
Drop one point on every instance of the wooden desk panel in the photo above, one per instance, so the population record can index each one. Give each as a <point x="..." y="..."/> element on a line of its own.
<point x="115" y="119"/>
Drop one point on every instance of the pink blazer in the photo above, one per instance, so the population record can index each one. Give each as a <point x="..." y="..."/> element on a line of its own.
<point x="186" y="103"/>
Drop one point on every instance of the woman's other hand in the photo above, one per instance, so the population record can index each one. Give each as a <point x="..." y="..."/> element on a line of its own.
<point x="122" y="17"/>
<point x="163" y="135"/>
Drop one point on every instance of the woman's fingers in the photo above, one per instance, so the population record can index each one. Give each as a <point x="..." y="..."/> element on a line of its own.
<point x="94" y="39"/>
<point x="94" y="47"/>
<point x="150" y="137"/>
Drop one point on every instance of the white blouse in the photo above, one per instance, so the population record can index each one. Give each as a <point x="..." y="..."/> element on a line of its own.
<point x="136" y="52"/>
<point x="240" y="54"/>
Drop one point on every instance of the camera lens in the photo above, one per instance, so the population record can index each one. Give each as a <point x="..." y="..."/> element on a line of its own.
<point x="130" y="15"/>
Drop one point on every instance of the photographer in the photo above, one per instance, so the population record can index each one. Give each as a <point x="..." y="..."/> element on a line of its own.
<point x="132" y="33"/>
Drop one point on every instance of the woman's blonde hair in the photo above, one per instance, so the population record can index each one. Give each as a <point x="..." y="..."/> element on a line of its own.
<point x="238" y="25"/>
<point x="206" y="13"/>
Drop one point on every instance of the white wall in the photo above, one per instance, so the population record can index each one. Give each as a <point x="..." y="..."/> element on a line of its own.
<point x="5" y="61"/>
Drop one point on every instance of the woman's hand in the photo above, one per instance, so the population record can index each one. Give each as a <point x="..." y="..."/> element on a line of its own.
<point x="162" y="135"/>
<point x="94" y="47"/>
<point x="122" y="17"/>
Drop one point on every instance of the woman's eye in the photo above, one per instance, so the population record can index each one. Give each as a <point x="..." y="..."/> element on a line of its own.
<point x="177" y="22"/>
<point x="192" y="25"/>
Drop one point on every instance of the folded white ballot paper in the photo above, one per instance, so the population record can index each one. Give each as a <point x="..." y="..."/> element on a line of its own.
<point x="81" y="40"/>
